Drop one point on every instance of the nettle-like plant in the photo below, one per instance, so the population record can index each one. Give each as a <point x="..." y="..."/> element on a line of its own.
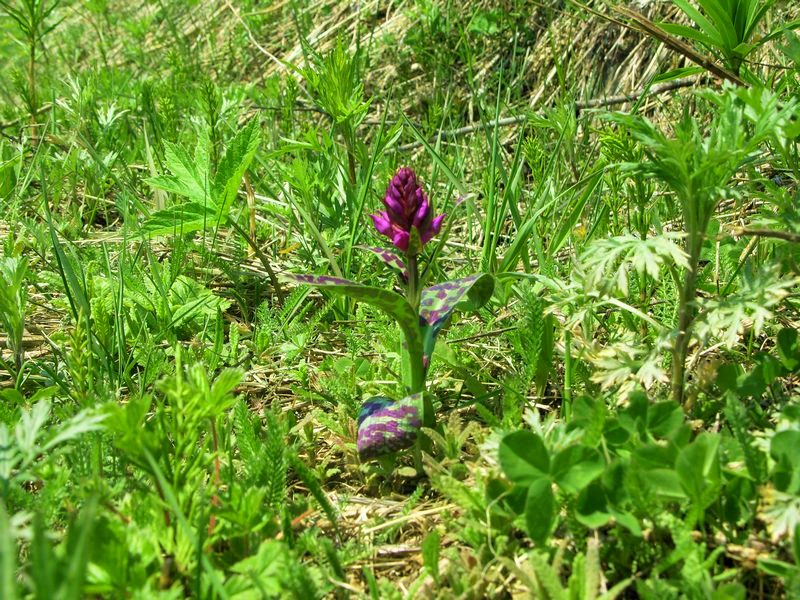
<point x="386" y="425"/>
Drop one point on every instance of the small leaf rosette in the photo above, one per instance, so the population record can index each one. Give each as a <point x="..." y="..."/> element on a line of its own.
<point x="386" y="425"/>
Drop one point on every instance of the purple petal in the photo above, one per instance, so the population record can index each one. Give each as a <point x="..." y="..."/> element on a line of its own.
<point x="382" y="223"/>
<point x="431" y="230"/>
<point x="400" y="239"/>
<point x="422" y="212"/>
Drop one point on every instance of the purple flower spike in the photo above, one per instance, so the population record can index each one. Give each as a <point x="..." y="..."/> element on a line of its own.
<point x="407" y="208"/>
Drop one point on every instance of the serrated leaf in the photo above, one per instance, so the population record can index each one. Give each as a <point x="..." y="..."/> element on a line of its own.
<point x="179" y="219"/>
<point x="238" y="156"/>
<point x="186" y="180"/>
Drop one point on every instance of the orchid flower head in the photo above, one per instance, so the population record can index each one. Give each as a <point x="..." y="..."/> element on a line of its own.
<point x="407" y="208"/>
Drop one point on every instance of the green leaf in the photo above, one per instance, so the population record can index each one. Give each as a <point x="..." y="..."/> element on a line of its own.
<point x="698" y="469"/>
<point x="575" y="467"/>
<point x="591" y="507"/>
<point x="179" y="219"/>
<point x="238" y="156"/>
<point x="785" y="450"/>
<point x="788" y="348"/>
<point x="540" y="510"/>
<point x="78" y="549"/>
<point x="664" y="419"/>
<point x="185" y="180"/>
<point x="796" y="544"/>
<point x="776" y="568"/>
<point x="665" y="482"/>
<point x="43" y="560"/>
<point x="8" y="554"/>
<point x="678" y="74"/>
<point x="523" y="457"/>
<point x="430" y="553"/>
<point x="393" y="304"/>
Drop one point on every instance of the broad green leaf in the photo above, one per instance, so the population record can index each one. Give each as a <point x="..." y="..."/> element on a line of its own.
<point x="628" y="521"/>
<point x="575" y="467"/>
<point x="664" y="419"/>
<point x="179" y="219"/>
<point x="698" y="467"/>
<point x="591" y="507"/>
<point x="540" y="509"/>
<point x="785" y="450"/>
<point x="665" y="482"/>
<point x="523" y="457"/>
<point x="788" y="348"/>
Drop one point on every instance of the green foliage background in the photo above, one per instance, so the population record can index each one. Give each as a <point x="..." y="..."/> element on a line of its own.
<point x="177" y="419"/>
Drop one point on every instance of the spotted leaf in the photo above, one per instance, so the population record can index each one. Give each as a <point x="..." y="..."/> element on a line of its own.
<point x="390" y="302"/>
<point x="386" y="426"/>
<point x="390" y="259"/>
<point x="469" y="293"/>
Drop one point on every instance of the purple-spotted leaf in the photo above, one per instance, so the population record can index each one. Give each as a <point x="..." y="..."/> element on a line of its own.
<point x="468" y="293"/>
<point x="386" y="426"/>
<point x="389" y="258"/>
<point x="393" y="304"/>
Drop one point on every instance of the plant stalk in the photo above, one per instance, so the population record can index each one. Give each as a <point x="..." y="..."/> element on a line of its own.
<point x="685" y="319"/>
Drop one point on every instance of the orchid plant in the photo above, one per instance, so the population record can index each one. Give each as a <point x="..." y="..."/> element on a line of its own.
<point x="386" y="425"/>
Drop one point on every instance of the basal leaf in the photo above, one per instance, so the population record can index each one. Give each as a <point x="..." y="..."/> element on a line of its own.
<point x="468" y="293"/>
<point x="180" y="219"/>
<point x="386" y="426"/>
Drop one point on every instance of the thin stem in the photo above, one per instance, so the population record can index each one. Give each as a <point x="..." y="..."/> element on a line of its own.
<point x="262" y="257"/>
<point x="566" y="409"/>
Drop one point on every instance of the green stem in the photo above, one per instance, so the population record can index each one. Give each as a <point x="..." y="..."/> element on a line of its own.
<point x="415" y="351"/>
<point x="685" y="318"/>
<point x="566" y="408"/>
